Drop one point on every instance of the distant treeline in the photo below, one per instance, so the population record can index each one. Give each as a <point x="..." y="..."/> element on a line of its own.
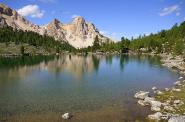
<point x="8" y="34"/>
<point x="165" y="41"/>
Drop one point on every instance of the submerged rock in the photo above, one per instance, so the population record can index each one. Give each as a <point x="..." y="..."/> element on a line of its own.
<point x="155" y="116"/>
<point x="154" y="88"/>
<point x="158" y="92"/>
<point x="66" y="116"/>
<point x="142" y="103"/>
<point x="141" y="95"/>
<point x="149" y="99"/>
<point x="167" y="89"/>
<point x="180" y="78"/>
<point x="177" y="83"/>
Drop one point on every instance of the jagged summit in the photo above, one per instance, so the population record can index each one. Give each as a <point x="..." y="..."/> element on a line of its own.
<point x="55" y="23"/>
<point x="5" y="10"/>
<point x="78" y="19"/>
<point x="78" y="33"/>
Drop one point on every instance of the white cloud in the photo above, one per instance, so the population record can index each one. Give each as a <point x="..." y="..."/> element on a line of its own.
<point x="31" y="10"/>
<point x="169" y="10"/>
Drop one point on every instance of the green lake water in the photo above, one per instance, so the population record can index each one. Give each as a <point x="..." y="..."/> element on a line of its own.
<point x="72" y="83"/>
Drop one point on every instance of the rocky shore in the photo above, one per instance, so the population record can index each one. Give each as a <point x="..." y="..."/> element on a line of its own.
<point x="173" y="62"/>
<point x="168" y="104"/>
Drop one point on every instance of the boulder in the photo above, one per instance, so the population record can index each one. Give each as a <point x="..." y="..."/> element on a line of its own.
<point x="169" y="108"/>
<point x="155" y="116"/>
<point x="178" y="102"/>
<point x="158" y="92"/>
<point x="155" y="108"/>
<point x="142" y="103"/>
<point x="155" y="105"/>
<point x="149" y="99"/>
<point x="154" y="88"/>
<point x="177" y="83"/>
<point x="176" y="90"/>
<point x="180" y="78"/>
<point x="165" y="104"/>
<point x="66" y="116"/>
<point x="141" y="95"/>
<point x="146" y="101"/>
<point x="177" y="119"/>
<point x="166" y="116"/>
<point x="167" y="89"/>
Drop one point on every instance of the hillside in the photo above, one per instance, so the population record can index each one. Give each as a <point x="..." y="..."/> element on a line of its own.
<point x="165" y="41"/>
<point x="11" y="41"/>
<point x="78" y="33"/>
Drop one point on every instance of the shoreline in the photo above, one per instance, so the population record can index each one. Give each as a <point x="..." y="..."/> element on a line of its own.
<point x="168" y="104"/>
<point x="157" y="102"/>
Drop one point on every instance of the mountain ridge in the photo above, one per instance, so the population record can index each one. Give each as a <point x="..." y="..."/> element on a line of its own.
<point x="78" y="33"/>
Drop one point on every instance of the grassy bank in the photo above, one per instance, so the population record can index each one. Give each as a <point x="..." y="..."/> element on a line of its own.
<point x="13" y="49"/>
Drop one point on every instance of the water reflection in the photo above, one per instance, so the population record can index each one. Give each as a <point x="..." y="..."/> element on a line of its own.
<point x="20" y="67"/>
<point x="73" y="82"/>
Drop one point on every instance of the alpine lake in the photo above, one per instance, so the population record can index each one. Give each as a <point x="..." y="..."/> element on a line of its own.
<point x="93" y="88"/>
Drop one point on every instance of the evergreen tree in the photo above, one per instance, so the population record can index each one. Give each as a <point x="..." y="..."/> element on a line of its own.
<point x="96" y="44"/>
<point x="22" y="50"/>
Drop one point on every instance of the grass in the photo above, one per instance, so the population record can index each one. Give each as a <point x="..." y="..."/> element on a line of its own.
<point x="171" y="96"/>
<point x="11" y="48"/>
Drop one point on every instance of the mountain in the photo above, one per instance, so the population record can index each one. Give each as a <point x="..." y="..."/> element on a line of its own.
<point x="78" y="33"/>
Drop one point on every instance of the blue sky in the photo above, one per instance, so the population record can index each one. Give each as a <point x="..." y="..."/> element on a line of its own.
<point x="114" y="18"/>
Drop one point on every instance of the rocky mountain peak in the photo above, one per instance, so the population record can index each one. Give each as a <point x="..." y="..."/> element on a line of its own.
<point x="78" y="33"/>
<point x="54" y="24"/>
<point x="56" y="21"/>
<point x="5" y="10"/>
<point x="78" y="19"/>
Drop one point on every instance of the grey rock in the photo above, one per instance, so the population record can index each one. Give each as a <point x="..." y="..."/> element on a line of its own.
<point x="142" y="103"/>
<point x="158" y="92"/>
<point x="169" y="108"/>
<point x="155" y="105"/>
<point x="176" y="90"/>
<point x="154" y="88"/>
<point x="155" y="116"/>
<point x="141" y="95"/>
<point x="66" y="116"/>
<point x="180" y="78"/>
<point x="177" y="83"/>
<point x="167" y="89"/>
<point x="177" y="119"/>
<point x="178" y="102"/>
<point x="78" y="33"/>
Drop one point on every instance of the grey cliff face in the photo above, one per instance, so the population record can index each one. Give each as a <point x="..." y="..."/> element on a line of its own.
<point x="78" y="33"/>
